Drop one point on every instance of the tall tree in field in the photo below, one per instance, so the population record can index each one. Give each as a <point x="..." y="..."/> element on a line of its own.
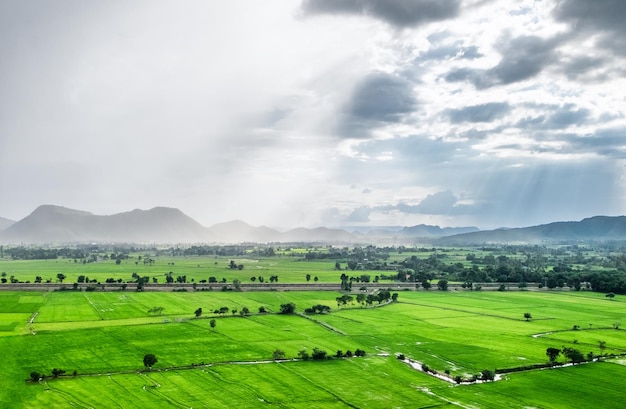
<point x="442" y="285"/>
<point x="198" y="312"/>
<point x="149" y="360"/>
<point x="212" y="323"/>
<point x="288" y="308"/>
<point x="553" y="354"/>
<point x="527" y="316"/>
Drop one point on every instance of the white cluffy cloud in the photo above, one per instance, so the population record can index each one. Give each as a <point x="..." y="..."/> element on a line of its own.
<point x="456" y="112"/>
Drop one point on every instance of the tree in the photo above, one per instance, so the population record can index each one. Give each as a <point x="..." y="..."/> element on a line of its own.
<point x="308" y="278"/>
<point x="61" y="277"/>
<point x="262" y="310"/>
<point x="602" y="346"/>
<point x="318" y="354"/>
<point x="278" y="354"/>
<point x="245" y="311"/>
<point x="198" y="312"/>
<point x="35" y="376"/>
<point x="610" y="296"/>
<point x="57" y="372"/>
<point x="212" y="323"/>
<point x="426" y="285"/>
<point x="288" y="308"/>
<point x="527" y="316"/>
<point x="346" y="284"/>
<point x="487" y="375"/>
<point x="149" y="360"/>
<point x="304" y="355"/>
<point x="573" y="355"/>
<point x="442" y="285"/>
<point x="394" y="297"/>
<point x="553" y="354"/>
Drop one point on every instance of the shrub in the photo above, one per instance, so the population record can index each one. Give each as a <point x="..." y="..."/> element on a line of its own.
<point x="318" y="354"/>
<point x="487" y="375"/>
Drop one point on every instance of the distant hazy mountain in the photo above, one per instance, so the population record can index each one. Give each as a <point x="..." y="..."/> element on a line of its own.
<point x="55" y="224"/>
<point x="4" y="223"/>
<point x="593" y="228"/>
<point x="237" y="231"/>
<point x="319" y="234"/>
<point x="423" y="230"/>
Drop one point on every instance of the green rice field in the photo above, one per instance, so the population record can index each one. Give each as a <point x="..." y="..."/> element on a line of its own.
<point x="103" y="337"/>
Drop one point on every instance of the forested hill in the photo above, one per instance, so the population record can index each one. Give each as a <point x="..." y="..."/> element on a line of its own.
<point x="593" y="228"/>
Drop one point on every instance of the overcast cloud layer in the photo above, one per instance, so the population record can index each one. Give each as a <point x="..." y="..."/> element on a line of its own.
<point x="320" y="112"/>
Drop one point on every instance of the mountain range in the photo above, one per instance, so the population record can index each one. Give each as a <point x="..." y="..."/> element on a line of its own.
<point x="56" y="224"/>
<point x="597" y="228"/>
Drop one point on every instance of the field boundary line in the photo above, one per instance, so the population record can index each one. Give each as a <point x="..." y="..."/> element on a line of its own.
<point x="323" y="324"/>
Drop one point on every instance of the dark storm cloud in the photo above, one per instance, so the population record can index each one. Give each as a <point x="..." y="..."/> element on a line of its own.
<point x="567" y="116"/>
<point x="556" y="117"/>
<point x="479" y="113"/>
<point x="597" y="15"/>
<point x="579" y="67"/>
<point x="443" y="203"/>
<point x="602" y="20"/>
<point x="451" y="51"/>
<point x="606" y="142"/>
<point x="377" y="100"/>
<point x="522" y="58"/>
<point x="399" y="13"/>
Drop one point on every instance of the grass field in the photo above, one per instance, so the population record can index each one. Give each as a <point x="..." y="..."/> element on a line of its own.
<point x="288" y="269"/>
<point x="104" y="336"/>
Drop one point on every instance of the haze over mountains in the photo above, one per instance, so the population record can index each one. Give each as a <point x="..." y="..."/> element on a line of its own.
<point x="4" y="223"/>
<point x="56" y="224"/>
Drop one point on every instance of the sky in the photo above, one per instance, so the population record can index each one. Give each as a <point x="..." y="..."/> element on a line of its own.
<point x="310" y="113"/>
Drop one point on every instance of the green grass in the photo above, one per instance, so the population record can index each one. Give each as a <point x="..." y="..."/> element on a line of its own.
<point x="288" y="269"/>
<point x="463" y="332"/>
